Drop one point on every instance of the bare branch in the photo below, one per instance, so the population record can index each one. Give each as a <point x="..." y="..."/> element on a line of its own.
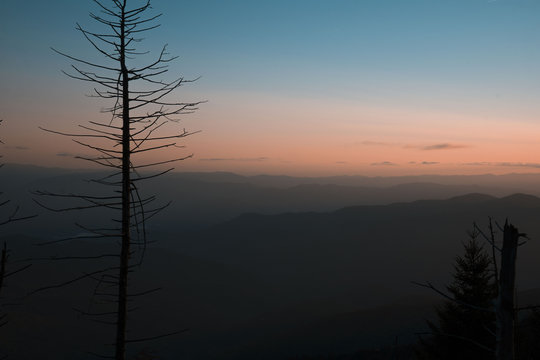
<point x="157" y="336"/>
<point x="430" y="286"/>
<point x="84" y="276"/>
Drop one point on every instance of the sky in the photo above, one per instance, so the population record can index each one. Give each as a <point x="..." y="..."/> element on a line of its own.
<point x="301" y="87"/>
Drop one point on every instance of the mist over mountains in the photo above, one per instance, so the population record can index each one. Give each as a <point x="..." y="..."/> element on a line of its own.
<point x="269" y="266"/>
<point x="202" y="199"/>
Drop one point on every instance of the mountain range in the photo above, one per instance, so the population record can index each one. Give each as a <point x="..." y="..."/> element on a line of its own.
<point x="261" y="269"/>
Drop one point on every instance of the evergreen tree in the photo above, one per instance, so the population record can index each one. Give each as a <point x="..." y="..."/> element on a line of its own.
<point x="464" y="332"/>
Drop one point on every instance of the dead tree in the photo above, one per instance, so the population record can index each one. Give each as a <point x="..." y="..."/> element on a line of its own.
<point x="504" y="304"/>
<point x="141" y="104"/>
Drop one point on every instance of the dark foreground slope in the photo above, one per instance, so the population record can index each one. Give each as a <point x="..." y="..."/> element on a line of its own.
<point x="368" y="245"/>
<point x="323" y="264"/>
<point x="272" y="286"/>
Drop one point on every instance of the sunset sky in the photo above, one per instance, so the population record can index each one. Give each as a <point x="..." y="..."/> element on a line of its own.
<point x="302" y="87"/>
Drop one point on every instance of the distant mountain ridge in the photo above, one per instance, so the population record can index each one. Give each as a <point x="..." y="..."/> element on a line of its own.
<point x="510" y="180"/>
<point x="288" y="283"/>
<point x="330" y="274"/>
<point x="203" y="199"/>
<point x="356" y="236"/>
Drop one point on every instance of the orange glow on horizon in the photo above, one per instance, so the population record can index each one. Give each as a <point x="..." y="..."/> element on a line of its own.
<point x="308" y="137"/>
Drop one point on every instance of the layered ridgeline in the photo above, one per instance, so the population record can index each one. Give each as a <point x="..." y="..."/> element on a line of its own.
<point x="305" y="275"/>
<point x="202" y="199"/>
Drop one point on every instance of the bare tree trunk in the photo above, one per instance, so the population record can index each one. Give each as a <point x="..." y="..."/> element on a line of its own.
<point x="504" y="306"/>
<point x="126" y="183"/>
<point x="134" y="128"/>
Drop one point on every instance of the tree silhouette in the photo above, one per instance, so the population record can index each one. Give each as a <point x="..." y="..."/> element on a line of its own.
<point x="9" y="215"/>
<point x="464" y="332"/>
<point x="141" y="104"/>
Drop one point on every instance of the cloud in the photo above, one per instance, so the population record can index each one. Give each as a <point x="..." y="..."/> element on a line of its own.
<point x="375" y="143"/>
<point x="513" y="164"/>
<point x="371" y="143"/>
<point x="256" y="159"/>
<point x="18" y="148"/>
<point x="65" y="154"/>
<point x="383" y="163"/>
<point x="504" y="164"/>
<point x="424" y="162"/>
<point x="341" y="162"/>
<point x="440" y="146"/>
<point x="478" y="163"/>
<point x="443" y="146"/>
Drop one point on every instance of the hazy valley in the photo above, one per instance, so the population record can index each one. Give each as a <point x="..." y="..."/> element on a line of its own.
<point x="264" y="267"/>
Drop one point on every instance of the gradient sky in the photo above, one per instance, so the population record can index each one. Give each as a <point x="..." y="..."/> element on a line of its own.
<point x="303" y="87"/>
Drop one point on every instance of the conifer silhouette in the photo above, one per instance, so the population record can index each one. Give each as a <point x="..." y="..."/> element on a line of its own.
<point x="461" y="331"/>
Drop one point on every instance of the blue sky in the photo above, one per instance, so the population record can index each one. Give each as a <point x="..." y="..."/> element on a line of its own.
<point x="292" y="74"/>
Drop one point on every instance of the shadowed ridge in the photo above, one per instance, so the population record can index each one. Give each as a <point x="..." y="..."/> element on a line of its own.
<point x="524" y="200"/>
<point x="255" y="221"/>
<point x="472" y="198"/>
<point x="212" y="177"/>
